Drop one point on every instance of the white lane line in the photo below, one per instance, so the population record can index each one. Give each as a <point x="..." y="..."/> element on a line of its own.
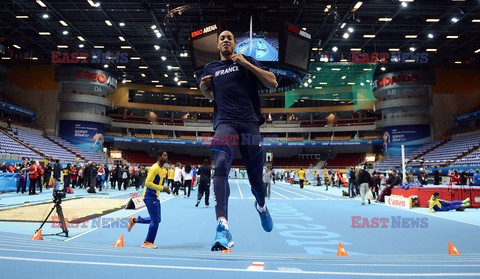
<point x="313" y="192"/>
<point x="444" y="274"/>
<point x="281" y="188"/>
<point x="115" y="219"/>
<point x="275" y="192"/>
<point x="256" y="266"/>
<point x="240" y="190"/>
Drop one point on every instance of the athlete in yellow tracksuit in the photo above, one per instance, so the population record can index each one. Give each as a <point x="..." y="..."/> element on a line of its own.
<point x="301" y="177"/>
<point x="436" y="204"/>
<point x="170" y="176"/>
<point x="154" y="182"/>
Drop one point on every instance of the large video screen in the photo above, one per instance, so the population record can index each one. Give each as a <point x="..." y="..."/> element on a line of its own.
<point x="205" y="50"/>
<point x="264" y="45"/>
<point x="297" y="51"/>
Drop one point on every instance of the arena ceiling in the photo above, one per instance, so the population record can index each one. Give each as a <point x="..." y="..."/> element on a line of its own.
<point x="449" y="29"/>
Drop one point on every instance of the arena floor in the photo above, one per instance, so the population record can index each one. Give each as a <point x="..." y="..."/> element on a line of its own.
<point x="309" y="224"/>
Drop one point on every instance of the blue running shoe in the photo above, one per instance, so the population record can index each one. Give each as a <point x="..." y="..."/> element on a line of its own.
<point x="223" y="239"/>
<point x="265" y="218"/>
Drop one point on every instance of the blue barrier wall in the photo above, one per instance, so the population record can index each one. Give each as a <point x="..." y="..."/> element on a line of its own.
<point x="9" y="181"/>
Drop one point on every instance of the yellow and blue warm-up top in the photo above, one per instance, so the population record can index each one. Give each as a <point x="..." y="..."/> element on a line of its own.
<point x="432" y="203"/>
<point x="154" y="182"/>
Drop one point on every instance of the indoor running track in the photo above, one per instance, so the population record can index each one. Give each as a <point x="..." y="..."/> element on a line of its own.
<point x="309" y="224"/>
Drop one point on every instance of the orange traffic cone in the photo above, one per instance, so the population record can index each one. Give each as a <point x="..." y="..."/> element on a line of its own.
<point x="37" y="235"/>
<point x="452" y="250"/>
<point x="341" y="252"/>
<point x="227" y="251"/>
<point x="119" y="242"/>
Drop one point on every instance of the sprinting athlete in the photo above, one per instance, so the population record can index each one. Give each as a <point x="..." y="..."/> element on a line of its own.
<point x="154" y="182"/>
<point x="232" y="83"/>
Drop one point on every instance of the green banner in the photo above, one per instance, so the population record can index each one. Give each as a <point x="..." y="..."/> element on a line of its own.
<point x="351" y="82"/>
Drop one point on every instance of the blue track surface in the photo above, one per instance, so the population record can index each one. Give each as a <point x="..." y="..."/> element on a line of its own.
<point x="309" y="224"/>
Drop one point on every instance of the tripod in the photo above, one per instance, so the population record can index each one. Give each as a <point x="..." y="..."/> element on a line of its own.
<point x="57" y="201"/>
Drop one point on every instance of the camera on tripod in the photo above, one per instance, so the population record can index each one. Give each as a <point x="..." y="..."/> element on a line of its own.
<point x="58" y="195"/>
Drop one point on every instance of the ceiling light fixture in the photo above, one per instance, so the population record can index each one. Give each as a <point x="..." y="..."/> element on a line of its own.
<point x="108" y="22"/>
<point x="357" y="6"/>
<point x="81" y="38"/>
<point x="63" y="23"/>
<point x="95" y="5"/>
<point x="39" y="2"/>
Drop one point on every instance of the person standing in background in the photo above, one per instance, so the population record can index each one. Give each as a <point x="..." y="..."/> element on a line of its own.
<point x="351" y="183"/>
<point x="267" y="175"/>
<point x="57" y="174"/>
<point x="301" y="177"/>
<point x="204" y="173"/>
<point x="363" y="181"/>
<point x="33" y="174"/>
<point x="476" y="178"/>
<point x="177" y="178"/>
<point x="47" y="174"/>
<point x="436" y="176"/>
<point x="170" y="176"/>
<point x="187" y="180"/>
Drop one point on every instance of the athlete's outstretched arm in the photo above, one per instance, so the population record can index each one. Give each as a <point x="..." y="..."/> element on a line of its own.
<point x="267" y="78"/>
<point x="206" y="87"/>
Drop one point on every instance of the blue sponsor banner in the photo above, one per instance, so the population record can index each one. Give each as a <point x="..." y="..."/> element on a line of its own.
<point x="443" y="171"/>
<point x="84" y="134"/>
<point x="468" y="116"/>
<point x="411" y="136"/>
<point x="207" y="143"/>
<point x="17" y="109"/>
